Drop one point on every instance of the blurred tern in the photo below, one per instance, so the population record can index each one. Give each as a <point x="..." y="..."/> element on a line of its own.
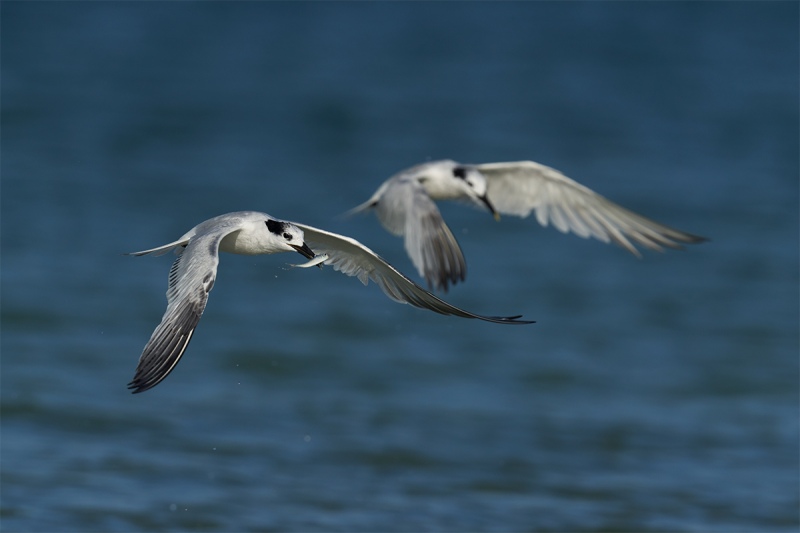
<point x="251" y="233"/>
<point x="404" y="205"/>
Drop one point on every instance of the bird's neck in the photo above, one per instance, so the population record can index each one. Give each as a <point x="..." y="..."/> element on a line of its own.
<point x="244" y="242"/>
<point x="444" y="189"/>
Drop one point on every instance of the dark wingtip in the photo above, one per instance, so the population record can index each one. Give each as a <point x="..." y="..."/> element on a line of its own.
<point x="442" y="281"/>
<point x="508" y="320"/>
<point x="142" y="383"/>
<point x="136" y="387"/>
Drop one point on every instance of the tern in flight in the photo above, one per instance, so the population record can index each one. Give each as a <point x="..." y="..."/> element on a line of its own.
<point x="252" y="233"/>
<point x="405" y="206"/>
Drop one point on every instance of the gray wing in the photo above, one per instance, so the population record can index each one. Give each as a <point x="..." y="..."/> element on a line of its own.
<point x="404" y="208"/>
<point x="517" y="188"/>
<point x="190" y="279"/>
<point x="354" y="259"/>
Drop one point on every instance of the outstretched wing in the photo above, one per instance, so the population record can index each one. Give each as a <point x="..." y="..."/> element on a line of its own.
<point x="517" y="188"/>
<point x="190" y="279"/>
<point x="404" y="208"/>
<point x="354" y="259"/>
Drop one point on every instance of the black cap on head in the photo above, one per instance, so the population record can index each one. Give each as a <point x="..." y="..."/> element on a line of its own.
<point x="276" y="227"/>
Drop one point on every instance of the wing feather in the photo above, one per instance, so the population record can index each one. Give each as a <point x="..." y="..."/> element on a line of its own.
<point x="517" y="188"/>
<point x="191" y="278"/>
<point x="405" y="209"/>
<point x="354" y="259"/>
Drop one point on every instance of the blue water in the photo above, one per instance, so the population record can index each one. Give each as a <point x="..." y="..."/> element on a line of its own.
<point x="651" y="395"/>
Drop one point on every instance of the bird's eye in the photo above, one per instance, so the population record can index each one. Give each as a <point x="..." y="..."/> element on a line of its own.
<point x="460" y="172"/>
<point x="287" y="236"/>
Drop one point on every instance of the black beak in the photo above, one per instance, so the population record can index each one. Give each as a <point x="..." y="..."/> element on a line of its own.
<point x="304" y="250"/>
<point x="491" y="208"/>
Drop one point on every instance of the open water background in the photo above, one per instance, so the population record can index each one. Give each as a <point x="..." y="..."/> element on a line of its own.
<point x="651" y="395"/>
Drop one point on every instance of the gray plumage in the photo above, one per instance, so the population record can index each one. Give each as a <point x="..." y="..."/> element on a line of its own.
<point x="405" y="206"/>
<point x="192" y="276"/>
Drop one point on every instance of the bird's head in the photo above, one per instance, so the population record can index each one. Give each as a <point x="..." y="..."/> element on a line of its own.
<point x="286" y="237"/>
<point x="474" y="186"/>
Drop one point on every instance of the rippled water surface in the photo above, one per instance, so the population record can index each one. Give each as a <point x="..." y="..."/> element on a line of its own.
<point x="651" y="395"/>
